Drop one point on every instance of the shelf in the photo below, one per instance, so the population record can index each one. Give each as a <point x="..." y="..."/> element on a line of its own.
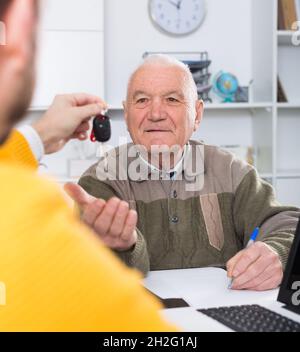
<point x="208" y="106"/>
<point x="285" y="37"/>
<point x="45" y="108"/>
<point x="265" y="175"/>
<point x="67" y="179"/>
<point x="115" y="108"/>
<point x="236" y="106"/>
<point x="288" y="174"/>
<point x="59" y="178"/>
<point x="288" y="105"/>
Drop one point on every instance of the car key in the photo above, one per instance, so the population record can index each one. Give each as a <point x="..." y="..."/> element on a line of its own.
<point x="101" y="129"/>
<point x="101" y="133"/>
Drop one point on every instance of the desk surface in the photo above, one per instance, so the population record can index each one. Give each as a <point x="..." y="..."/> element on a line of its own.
<point x="205" y="288"/>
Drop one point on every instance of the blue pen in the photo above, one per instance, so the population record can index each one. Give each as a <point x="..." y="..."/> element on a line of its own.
<point x="250" y="242"/>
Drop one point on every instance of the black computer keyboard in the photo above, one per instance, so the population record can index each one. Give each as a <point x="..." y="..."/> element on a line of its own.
<point x="251" y="318"/>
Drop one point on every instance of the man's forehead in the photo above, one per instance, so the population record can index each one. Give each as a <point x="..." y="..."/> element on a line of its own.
<point x="156" y="72"/>
<point x="162" y="80"/>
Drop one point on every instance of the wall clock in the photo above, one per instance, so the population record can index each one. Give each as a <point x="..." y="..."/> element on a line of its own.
<point x="177" y="17"/>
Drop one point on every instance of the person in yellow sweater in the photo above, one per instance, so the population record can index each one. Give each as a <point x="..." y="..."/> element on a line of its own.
<point x="55" y="275"/>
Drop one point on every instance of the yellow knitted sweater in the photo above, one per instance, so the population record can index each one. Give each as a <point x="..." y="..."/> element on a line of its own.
<point x="55" y="275"/>
<point x="16" y="150"/>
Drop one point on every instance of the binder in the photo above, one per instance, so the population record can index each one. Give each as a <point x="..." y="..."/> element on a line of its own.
<point x="281" y="25"/>
<point x="287" y="14"/>
<point x="281" y="95"/>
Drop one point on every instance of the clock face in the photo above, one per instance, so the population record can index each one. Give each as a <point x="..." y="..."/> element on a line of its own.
<point x="177" y="17"/>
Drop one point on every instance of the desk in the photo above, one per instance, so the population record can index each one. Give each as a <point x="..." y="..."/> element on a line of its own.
<point x="205" y="288"/>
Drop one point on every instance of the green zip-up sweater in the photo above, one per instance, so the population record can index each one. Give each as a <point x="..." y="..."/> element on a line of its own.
<point x="183" y="226"/>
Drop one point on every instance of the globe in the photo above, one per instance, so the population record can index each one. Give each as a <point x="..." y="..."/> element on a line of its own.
<point x="225" y="85"/>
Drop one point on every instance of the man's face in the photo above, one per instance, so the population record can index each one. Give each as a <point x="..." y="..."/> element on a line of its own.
<point x="159" y="109"/>
<point x="17" y="69"/>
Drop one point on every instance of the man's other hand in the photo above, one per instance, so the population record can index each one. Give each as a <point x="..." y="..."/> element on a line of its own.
<point x="113" y="221"/>
<point x="257" y="268"/>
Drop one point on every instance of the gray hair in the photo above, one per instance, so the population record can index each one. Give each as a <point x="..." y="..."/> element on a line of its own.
<point x="169" y="61"/>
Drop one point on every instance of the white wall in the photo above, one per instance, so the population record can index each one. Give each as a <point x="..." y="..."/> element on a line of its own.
<point x="129" y="32"/>
<point x="70" y="49"/>
<point x="288" y="191"/>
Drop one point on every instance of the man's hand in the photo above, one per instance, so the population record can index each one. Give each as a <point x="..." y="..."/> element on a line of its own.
<point x="113" y="221"/>
<point x="68" y="117"/>
<point x="256" y="268"/>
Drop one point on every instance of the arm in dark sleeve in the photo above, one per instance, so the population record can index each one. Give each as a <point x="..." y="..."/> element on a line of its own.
<point x="255" y="205"/>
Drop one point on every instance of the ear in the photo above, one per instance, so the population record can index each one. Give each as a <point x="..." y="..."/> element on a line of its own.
<point x="124" y="103"/>
<point x="199" y="114"/>
<point x="20" y="21"/>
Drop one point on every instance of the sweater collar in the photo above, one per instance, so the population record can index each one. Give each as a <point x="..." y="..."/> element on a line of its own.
<point x="190" y="165"/>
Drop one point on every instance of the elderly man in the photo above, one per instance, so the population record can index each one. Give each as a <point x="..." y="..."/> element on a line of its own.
<point x="180" y="226"/>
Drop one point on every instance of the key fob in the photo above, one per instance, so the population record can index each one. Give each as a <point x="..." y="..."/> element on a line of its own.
<point x="101" y="129"/>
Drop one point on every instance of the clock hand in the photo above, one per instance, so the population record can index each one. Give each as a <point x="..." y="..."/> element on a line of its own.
<point x="173" y="3"/>
<point x="179" y="4"/>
